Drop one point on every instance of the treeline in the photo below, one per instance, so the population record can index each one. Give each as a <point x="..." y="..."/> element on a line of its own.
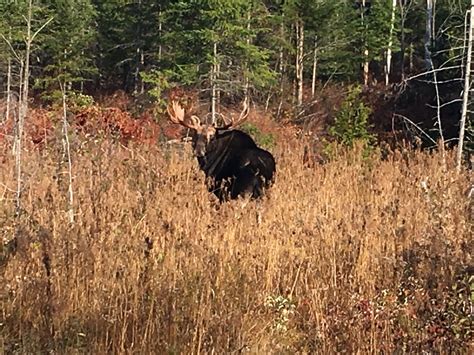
<point x="270" y="49"/>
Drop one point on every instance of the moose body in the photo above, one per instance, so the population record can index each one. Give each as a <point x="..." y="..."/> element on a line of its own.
<point x="234" y="165"/>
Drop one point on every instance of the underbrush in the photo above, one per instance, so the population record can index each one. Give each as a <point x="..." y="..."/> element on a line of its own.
<point x="357" y="255"/>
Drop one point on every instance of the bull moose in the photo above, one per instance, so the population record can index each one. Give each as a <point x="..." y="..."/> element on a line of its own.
<point x="233" y="164"/>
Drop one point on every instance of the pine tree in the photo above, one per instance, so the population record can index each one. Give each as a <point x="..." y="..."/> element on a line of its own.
<point x="67" y="50"/>
<point x="128" y="41"/>
<point x="215" y="44"/>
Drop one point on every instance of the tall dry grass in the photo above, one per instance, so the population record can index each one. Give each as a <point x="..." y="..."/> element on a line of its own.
<point x="355" y="255"/>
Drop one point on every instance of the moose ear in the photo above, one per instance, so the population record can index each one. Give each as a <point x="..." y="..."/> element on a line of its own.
<point x="195" y="121"/>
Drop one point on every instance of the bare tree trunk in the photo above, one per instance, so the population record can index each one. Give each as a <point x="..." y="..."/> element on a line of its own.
<point x="430" y="67"/>
<point x="428" y="33"/>
<point x="390" y="44"/>
<point x="467" y="87"/>
<point x="67" y="153"/>
<point x="67" y="84"/>
<point x="214" y="84"/>
<point x="23" y="110"/>
<point x="136" y="76"/>
<point x="404" y="8"/>
<point x="438" y="110"/>
<point x="366" y="50"/>
<point x="81" y="84"/>
<point x="9" y="81"/>
<point x="23" y="103"/>
<point x="281" y="69"/>
<point x="315" y="66"/>
<point x="281" y="52"/>
<point x="366" y="67"/>
<point x="218" y="92"/>
<point x="247" y="82"/>
<point x="299" y="61"/>
<point x="139" y="60"/>
<point x="160" y="33"/>
<point x="402" y="41"/>
<point x="17" y="111"/>
<point x="142" y="65"/>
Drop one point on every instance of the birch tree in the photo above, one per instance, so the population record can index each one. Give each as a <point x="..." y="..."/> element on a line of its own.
<point x="299" y="64"/>
<point x="467" y="88"/>
<point x="429" y="33"/>
<point x="388" y="65"/>
<point x="214" y="76"/>
<point x="374" y="30"/>
<point x="364" y="8"/>
<point x="429" y="42"/>
<point x="315" y="66"/>
<point x="9" y="86"/>
<point x="67" y="48"/>
<point x="67" y="154"/>
<point x="23" y="58"/>
<point x="404" y="8"/>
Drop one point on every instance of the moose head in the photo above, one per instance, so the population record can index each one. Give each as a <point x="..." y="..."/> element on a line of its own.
<point x="231" y="160"/>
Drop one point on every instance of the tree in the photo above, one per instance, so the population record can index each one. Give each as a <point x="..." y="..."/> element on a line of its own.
<point x="388" y="65"/>
<point x="215" y="43"/>
<point x="374" y="31"/>
<point x="404" y="9"/>
<point x="467" y="87"/>
<point x="128" y="41"/>
<point x="27" y="12"/>
<point x="67" y="47"/>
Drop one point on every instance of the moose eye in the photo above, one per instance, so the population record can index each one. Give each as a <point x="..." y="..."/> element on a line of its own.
<point x="210" y="135"/>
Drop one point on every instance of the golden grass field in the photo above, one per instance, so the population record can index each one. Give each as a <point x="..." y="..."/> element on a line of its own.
<point x="356" y="256"/>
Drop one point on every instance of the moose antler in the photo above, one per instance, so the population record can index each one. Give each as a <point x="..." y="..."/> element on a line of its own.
<point x="242" y="117"/>
<point x="178" y="115"/>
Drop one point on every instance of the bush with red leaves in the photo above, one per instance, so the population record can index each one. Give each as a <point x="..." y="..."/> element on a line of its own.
<point x="38" y="128"/>
<point x="114" y="122"/>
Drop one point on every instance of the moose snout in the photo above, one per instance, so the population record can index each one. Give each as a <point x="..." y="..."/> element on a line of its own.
<point x="200" y="148"/>
<point x="200" y="152"/>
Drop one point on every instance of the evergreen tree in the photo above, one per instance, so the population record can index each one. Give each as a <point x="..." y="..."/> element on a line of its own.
<point x="215" y="43"/>
<point x="128" y="41"/>
<point x="67" y="51"/>
<point x="13" y="31"/>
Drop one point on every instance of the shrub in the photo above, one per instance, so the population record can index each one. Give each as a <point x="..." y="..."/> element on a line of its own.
<point x="266" y="140"/>
<point x="157" y="83"/>
<point x="351" y="124"/>
<point x="77" y="101"/>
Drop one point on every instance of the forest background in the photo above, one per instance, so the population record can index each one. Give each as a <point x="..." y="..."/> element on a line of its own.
<point x="110" y="241"/>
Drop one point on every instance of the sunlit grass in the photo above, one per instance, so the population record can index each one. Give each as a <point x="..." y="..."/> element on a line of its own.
<point x="354" y="255"/>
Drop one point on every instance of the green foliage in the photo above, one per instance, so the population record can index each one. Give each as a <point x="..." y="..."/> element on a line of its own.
<point x="376" y="31"/>
<point x="458" y="310"/>
<point x="128" y="40"/>
<point x="283" y="310"/>
<point x="266" y="140"/>
<point x="233" y="29"/>
<point x="65" y="50"/>
<point x="77" y="100"/>
<point x="157" y="82"/>
<point x="352" y="120"/>
<point x="122" y="44"/>
<point x="351" y="126"/>
<point x="13" y="28"/>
